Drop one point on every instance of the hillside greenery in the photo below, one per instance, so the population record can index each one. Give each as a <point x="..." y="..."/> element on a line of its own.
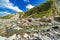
<point x="39" y="11"/>
<point x="44" y="9"/>
<point x="6" y="17"/>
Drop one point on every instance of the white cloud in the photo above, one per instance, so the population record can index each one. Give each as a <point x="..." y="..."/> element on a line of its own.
<point x="26" y="1"/>
<point x="14" y="8"/>
<point x="4" y="13"/>
<point x="29" y="6"/>
<point x="7" y="4"/>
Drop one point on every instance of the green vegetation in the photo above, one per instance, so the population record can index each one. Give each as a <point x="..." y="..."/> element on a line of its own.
<point x="21" y="14"/>
<point x="36" y="12"/>
<point x="39" y="11"/>
<point x="6" y="17"/>
<point x="46" y="9"/>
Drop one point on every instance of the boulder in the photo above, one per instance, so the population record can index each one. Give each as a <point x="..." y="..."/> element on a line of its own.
<point x="30" y="19"/>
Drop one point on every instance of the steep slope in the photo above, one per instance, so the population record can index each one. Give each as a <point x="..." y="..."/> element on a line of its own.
<point x="36" y="12"/>
<point x="39" y="11"/>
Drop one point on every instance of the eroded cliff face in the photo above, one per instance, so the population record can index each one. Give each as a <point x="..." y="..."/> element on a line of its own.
<point x="56" y="10"/>
<point x="58" y="2"/>
<point x="56" y="7"/>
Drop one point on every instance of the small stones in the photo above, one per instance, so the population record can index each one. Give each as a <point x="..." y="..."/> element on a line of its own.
<point x="25" y="24"/>
<point x="37" y="38"/>
<point x="49" y="34"/>
<point x="35" y="34"/>
<point x="31" y="22"/>
<point x="25" y="35"/>
<point x="49" y="24"/>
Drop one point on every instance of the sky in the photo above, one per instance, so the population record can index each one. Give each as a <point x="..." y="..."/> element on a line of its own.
<point x="14" y="6"/>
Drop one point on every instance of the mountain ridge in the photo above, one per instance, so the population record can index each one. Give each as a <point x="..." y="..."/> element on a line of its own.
<point x="44" y="9"/>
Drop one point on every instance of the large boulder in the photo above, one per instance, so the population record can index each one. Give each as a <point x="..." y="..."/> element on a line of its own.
<point x="30" y="19"/>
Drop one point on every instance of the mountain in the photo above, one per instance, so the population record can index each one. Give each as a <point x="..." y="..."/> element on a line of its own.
<point x="44" y="9"/>
<point x="39" y="11"/>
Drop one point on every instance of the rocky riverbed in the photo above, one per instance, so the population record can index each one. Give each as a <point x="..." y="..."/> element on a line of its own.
<point x="52" y="33"/>
<point x="25" y="23"/>
<point x="44" y="28"/>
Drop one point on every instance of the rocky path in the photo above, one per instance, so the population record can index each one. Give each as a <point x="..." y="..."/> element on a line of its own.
<point x="50" y="34"/>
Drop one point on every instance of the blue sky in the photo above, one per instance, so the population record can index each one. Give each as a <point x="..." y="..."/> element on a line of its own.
<point x="14" y="6"/>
